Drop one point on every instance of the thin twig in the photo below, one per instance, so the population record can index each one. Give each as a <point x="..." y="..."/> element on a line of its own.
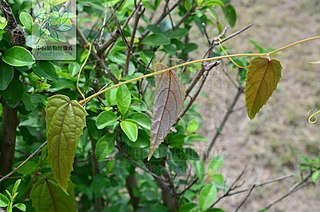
<point x="133" y="34"/>
<point x="24" y="162"/>
<point x="245" y="199"/>
<point x="189" y="186"/>
<point x="224" y="121"/>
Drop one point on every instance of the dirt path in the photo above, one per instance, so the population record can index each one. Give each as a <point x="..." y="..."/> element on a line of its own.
<point x="270" y="146"/>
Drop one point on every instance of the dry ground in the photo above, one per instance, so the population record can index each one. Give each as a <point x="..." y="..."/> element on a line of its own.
<point x="271" y="144"/>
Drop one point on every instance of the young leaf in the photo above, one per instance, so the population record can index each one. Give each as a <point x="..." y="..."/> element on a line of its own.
<point x="167" y="105"/>
<point x="130" y="129"/>
<point x="46" y="195"/>
<point x="123" y="99"/>
<point x="65" y="120"/>
<point x="262" y="79"/>
<point x="18" y="56"/>
<point x="20" y="206"/>
<point x="26" y="20"/>
<point x="4" y="201"/>
<point x="207" y="197"/>
<point x="215" y="163"/>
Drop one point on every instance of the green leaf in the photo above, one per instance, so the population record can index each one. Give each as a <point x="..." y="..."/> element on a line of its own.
<point x="106" y="118"/>
<point x="65" y="120"/>
<point x="3" y="23"/>
<point x="46" y="70"/>
<point x="6" y="75"/>
<point x="28" y="168"/>
<point x="262" y="79"/>
<point x="315" y="176"/>
<point x="230" y="14"/>
<point x="178" y="33"/>
<point x="193" y="126"/>
<point x="16" y="186"/>
<point x="141" y="119"/>
<point x="210" y="3"/>
<point x="18" y="56"/>
<point x="207" y="196"/>
<point x="215" y="163"/>
<point x="104" y="147"/>
<point x="26" y="20"/>
<point x="4" y="201"/>
<point x="218" y="179"/>
<point x="20" y="206"/>
<point x="156" y="40"/>
<point x="130" y="129"/>
<point x="199" y="169"/>
<point x="46" y="195"/>
<point x="123" y="99"/>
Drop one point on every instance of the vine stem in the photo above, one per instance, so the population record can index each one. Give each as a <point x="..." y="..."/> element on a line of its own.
<point x="82" y="67"/>
<point x="198" y="61"/>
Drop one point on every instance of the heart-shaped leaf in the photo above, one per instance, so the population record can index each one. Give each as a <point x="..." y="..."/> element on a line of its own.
<point x="46" y="195"/>
<point x="262" y="79"/>
<point x="65" y="120"/>
<point x="167" y="105"/>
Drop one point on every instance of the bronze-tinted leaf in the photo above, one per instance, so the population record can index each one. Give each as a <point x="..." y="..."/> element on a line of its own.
<point x="262" y="79"/>
<point x="167" y="106"/>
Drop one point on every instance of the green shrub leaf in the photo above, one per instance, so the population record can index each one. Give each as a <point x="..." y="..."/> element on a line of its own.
<point x="4" y="201"/>
<point x="130" y="129"/>
<point x="123" y="99"/>
<point x="208" y="195"/>
<point x="104" y="147"/>
<point x="26" y="20"/>
<point x="46" y="70"/>
<point x="106" y="118"/>
<point x="65" y="120"/>
<point x="141" y="119"/>
<point x="156" y="40"/>
<point x="46" y="195"/>
<point x="18" y="56"/>
<point x="262" y="80"/>
<point x="6" y="75"/>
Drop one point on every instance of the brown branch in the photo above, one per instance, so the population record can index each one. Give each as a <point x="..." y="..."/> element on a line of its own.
<point x="99" y="60"/>
<point x="224" y="121"/>
<point x="9" y="125"/>
<point x="297" y="186"/>
<point x="133" y="34"/>
<point x="246" y="198"/>
<point x="131" y="184"/>
<point x="24" y="162"/>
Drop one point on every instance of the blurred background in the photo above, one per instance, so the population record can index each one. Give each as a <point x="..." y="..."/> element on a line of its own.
<point x="272" y="144"/>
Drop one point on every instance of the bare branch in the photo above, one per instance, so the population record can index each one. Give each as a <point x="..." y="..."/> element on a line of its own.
<point x="24" y="162"/>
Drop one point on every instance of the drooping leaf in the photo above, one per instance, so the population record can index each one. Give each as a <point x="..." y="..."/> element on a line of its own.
<point x="46" y="195"/>
<point x="18" y="56"/>
<point x="262" y="79"/>
<point x="207" y="196"/>
<point x="65" y="120"/>
<point x="4" y="201"/>
<point x="167" y="105"/>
